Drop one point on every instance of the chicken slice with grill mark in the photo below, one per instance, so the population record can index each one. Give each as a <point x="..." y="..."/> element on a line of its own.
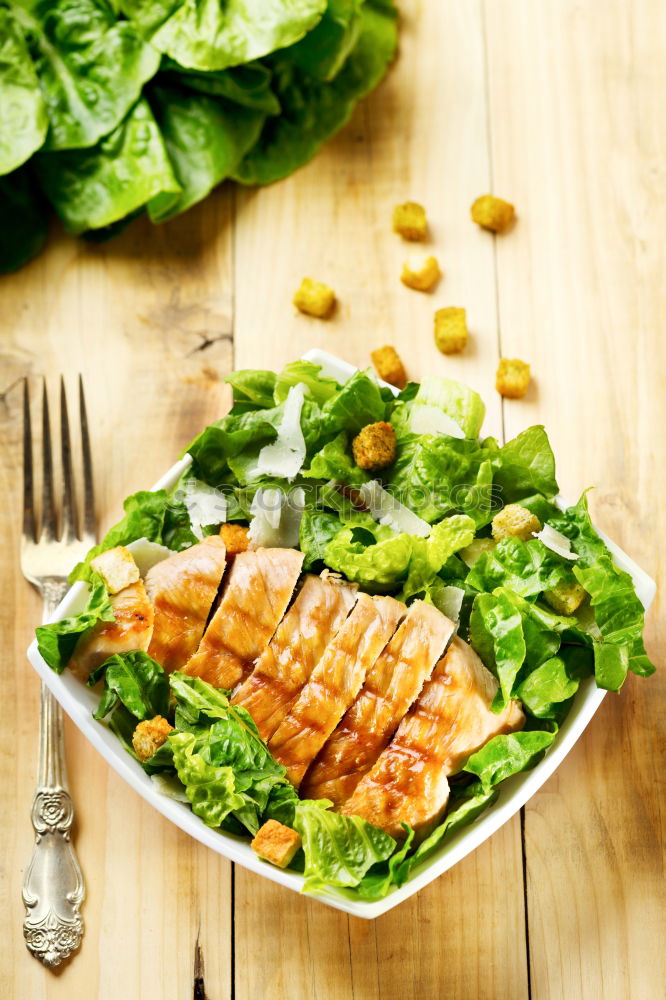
<point x="450" y="720"/>
<point x="334" y="683"/>
<point x="391" y="686"/>
<point x="130" y="630"/>
<point x="256" y="593"/>
<point x="299" y="642"/>
<point x="182" y="589"/>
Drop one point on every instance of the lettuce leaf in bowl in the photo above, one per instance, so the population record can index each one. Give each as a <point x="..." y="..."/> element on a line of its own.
<point x="57" y="640"/>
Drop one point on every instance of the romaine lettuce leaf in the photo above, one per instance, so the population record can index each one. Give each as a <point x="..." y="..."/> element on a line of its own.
<point x="210" y="789"/>
<point x="505" y="755"/>
<point x="335" y="461"/>
<point x="24" y="121"/>
<point x="312" y="110"/>
<point x="57" y="640"/>
<point x="525" y="466"/>
<point x="320" y="387"/>
<point x="92" y="188"/>
<point x="323" y="51"/>
<point x="545" y="690"/>
<point x="155" y="516"/>
<point x="135" y="680"/>
<point x="496" y="633"/>
<point x="527" y="568"/>
<point x="338" y="849"/>
<point x="317" y="529"/>
<point x="91" y="67"/>
<point x="205" y="139"/>
<point x="618" y="613"/>
<point x="458" y="401"/>
<point x="208" y="35"/>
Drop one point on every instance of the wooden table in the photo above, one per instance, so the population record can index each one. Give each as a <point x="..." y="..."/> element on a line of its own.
<point x="558" y="106"/>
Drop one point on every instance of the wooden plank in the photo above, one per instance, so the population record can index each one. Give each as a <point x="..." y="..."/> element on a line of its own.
<point x="130" y="316"/>
<point x="578" y="143"/>
<point x="421" y="136"/>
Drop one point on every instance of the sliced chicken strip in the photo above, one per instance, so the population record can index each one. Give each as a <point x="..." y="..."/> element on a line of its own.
<point x="390" y="687"/>
<point x="256" y="593"/>
<point x="182" y="589"/>
<point x="449" y="722"/>
<point x="131" y="630"/>
<point x="298" y="644"/>
<point x="334" y="683"/>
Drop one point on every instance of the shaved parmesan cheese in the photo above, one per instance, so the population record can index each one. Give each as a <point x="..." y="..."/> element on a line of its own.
<point x="426" y="418"/>
<point x="276" y="518"/>
<point x="448" y="600"/>
<point x="556" y="541"/>
<point x="385" y="509"/>
<point x="285" y="456"/>
<point x="205" y="505"/>
<point x="147" y="554"/>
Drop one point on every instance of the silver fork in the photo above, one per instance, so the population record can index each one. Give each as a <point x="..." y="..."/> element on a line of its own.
<point x="53" y="887"/>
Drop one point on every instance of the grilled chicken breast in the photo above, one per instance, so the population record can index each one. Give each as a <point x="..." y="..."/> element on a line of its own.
<point x="334" y="683"/>
<point x="182" y="589"/>
<point x="450" y="720"/>
<point x="256" y="593"/>
<point x="298" y="644"/>
<point x="131" y="630"/>
<point x="390" y="687"/>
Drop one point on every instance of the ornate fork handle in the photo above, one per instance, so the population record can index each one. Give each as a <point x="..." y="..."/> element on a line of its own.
<point x="53" y="887"/>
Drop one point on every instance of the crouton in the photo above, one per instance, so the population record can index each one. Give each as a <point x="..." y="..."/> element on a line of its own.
<point x="565" y="598"/>
<point x="149" y="736"/>
<point x="374" y="446"/>
<point x="314" y="298"/>
<point x="517" y="521"/>
<point x="409" y="220"/>
<point x="236" y="538"/>
<point x="389" y="366"/>
<point x="276" y="843"/>
<point x="420" y="271"/>
<point x="493" y="213"/>
<point x="116" y="567"/>
<point x="475" y="550"/>
<point x="513" y="378"/>
<point x="450" y="330"/>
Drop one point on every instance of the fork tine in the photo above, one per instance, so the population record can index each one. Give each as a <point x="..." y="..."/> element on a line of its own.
<point x="28" y="492"/>
<point x="69" y="526"/>
<point x="88" y="491"/>
<point x="48" y="505"/>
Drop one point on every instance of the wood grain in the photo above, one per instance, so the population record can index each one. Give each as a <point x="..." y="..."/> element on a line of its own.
<point x="574" y="111"/>
<point x="558" y="107"/>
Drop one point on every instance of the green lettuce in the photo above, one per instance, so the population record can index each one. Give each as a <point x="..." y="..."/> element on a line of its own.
<point x="24" y="122"/>
<point x="525" y="466"/>
<point x="338" y="849"/>
<point x="456" y="400"/>
<point x="548" y="689"/>
<point x="324" y="50"/>
<point x="527" y="568"/>
<point x="91" y="188"/>
<point x="210" y="789"/>
<point x="91" y="67"/>
<point x="154" y="515"/>
<point x="506" y="755"/>
<point x="57" y="640"/>
<point x="134" y="680"/>
<point x="496" y="633"/>
<point x="205" y="138"/>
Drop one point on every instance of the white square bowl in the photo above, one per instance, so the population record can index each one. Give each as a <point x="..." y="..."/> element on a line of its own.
<point x="79" y="702"/>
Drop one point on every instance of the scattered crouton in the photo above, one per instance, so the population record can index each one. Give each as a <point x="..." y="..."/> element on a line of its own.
<point x="475" y="550"/>
<point x="389" y="366"/>
<point x="149" y="736"/>
<point x="493" y="213"/>
<point x="513" y="378"/>
<point x="420" y="271"/>
<point x="374" y="446"/>
<point x="451" y="330"/>
<point x="517" y="521"/>
<point x="116" y="567"/>
<point x="565" y="598"/>
<point x="314" y="298"/>
<point x="236" y="538"/>
<point x="276" y="843"/>
<point x="409" y="220"/>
